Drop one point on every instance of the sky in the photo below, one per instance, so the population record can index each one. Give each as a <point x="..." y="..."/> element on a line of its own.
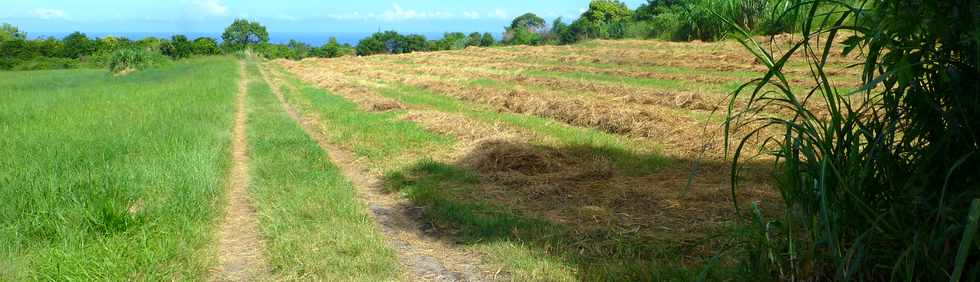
<point x="196" y="16"/>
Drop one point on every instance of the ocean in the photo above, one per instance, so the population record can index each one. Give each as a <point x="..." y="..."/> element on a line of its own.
<point x="311" y="38"/>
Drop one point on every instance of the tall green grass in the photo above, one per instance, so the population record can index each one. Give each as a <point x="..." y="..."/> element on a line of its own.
<point x="878" y="183"/>
<point x="113" y="178"/>
<point x="314" y="225"/>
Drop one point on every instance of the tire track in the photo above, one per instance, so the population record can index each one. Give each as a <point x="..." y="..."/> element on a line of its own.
<point x="425" y="258"/>
<point x="240" y="246"/>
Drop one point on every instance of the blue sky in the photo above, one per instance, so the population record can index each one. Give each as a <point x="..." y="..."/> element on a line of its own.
<point x="279" y="16"/>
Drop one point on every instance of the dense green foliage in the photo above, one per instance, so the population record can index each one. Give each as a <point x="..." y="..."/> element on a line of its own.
<point x="392" y="42"/>
<point x="243" y="33"/>
<point x="133" y="59"/>
<point x="880" y="184"/>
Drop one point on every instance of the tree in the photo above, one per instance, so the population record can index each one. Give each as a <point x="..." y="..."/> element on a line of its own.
<point x="529" y="21"/>
<point x="78" y="45"/>
<point x="298" y="50"/>
<point x="10" y="32"/>
<point x="474" y="39"/>
<point x="178" y="47"/>
<point x="653" y="8"/>
<point x="453" y="41"/>
<point x="487" y="40"/>
<point x="562" y="32"/>
<point x="415" y="43"/>
<point x="607" y="11"/>
<point x="205" y="46"/>
<point x="244" y="33"/>
<point x="371" y="46"/>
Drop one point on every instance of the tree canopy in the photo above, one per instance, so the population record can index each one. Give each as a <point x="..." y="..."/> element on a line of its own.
<point x="244" y="33"/>
<point x="529" y="22"/>
<point x="10" y="32"/>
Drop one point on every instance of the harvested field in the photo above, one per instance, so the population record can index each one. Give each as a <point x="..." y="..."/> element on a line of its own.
<point x="606" y="156"/>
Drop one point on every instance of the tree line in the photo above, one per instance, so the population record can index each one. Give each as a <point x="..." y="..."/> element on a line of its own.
<point x="679" y="20"/>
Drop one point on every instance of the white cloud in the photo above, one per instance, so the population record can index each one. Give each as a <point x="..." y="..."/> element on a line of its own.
<point x="396" y="13"/>
<point x="498" y="14"/>
<point x="49" y="14"/>
<point x="471" y="15"/>
<point x="212" y="7"/>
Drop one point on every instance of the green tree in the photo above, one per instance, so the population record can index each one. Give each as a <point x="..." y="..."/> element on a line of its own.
<point x="10" y="32"/>
<point x="452" y="41"/>
<point x="607" y="11"/>
<point x="298" y="50"/>
<point x="487" y="40"/>
<point x="178" y="47"/>
<point x="415" y="43"/>
<point x="371" y="46"/>
<point x="78" y="45"/>
<point x="529" y="21"/>
<point x="652" y="8"/>
<point x="205" y="46"/>
<point x="243" y="33"/>
<point x="474" y="39"/>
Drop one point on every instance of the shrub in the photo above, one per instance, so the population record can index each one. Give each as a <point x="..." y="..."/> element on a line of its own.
<point x="134" y="59"/>
<point x="205" y="46"/>
<point x="879" y="184"/>
<point x="46" y="63"/>
<point x="177" y="48"/>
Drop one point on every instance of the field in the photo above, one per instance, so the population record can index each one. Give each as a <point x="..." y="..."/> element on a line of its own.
<point x="596" y="161"/>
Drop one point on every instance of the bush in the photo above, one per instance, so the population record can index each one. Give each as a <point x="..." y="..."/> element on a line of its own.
<point x="134" y="59"/>
<point x="46" y="63"/>
<point x="177" y="48"/>
<point x="879" y="184"/>
<point x="205" y="46"/>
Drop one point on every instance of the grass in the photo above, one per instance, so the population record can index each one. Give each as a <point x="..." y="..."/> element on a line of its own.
<point x="113" y="178"/>
<point x="381" y="138"/>
<point x="551" y="131"/>
<point x="314" y="224"/>
<point x="526" y="247"/>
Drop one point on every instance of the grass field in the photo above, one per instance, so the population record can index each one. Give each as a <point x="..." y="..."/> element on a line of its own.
<point x="562" y="163"/>
<point x="113" y="178"/>
<point x="598" y="161"/>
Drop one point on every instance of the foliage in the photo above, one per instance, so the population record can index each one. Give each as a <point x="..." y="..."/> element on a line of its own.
<point x="452" y="41"/>
<point x="78" y="45"/>
<point x="474" y="39"/>
<point x="10" y="32"/>
<point x="606" y="11"/>
<point x="332" y="49"/>
<point x="133" y="59"/>
<point x="178" y="47"/>
<point x="487" y="40"/>
<point x="46" y="63"/>
<point x="529" y="22"/>
<point x="878" y="183"/>
<point x="243" y="33"/>
<point x="205" y="46"/>
<point x="371" y="46"/>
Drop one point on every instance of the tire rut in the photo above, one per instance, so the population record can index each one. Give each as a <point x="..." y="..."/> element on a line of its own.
<point x="425" y="258"/>
<point x="240" y="245"/>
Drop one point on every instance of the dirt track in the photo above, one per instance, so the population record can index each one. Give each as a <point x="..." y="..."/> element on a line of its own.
<point x="424" y="257"/>
<point x="240" y="243"/>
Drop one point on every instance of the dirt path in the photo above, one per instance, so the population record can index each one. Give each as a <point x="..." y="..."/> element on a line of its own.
<point x="240" y="245"/>
<point x="425" y="258"/>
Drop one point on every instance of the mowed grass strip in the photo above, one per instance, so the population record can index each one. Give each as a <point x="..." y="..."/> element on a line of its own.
<point x="382" y="138"/>
<point x="524" y="247"/>
<point x="314" y="225"/>
<point x="114" y="178"/>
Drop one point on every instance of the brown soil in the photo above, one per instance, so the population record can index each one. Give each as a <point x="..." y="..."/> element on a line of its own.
<point x="425" y="257"/>
<point x="240" y="245"/>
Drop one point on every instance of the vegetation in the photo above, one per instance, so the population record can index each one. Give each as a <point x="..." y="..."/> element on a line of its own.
<point x="879" y="184"/>
<point x="308" y="238"/>
<point x="242" y="34"/>
<point x="129" y="60"/>
<point x="113" y="178"/>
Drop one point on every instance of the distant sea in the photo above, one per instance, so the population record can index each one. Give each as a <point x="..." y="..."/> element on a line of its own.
<point x="311" y="38"/>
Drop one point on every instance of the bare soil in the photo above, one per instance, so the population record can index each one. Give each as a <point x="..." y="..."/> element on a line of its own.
<point x="240" y="245"/>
